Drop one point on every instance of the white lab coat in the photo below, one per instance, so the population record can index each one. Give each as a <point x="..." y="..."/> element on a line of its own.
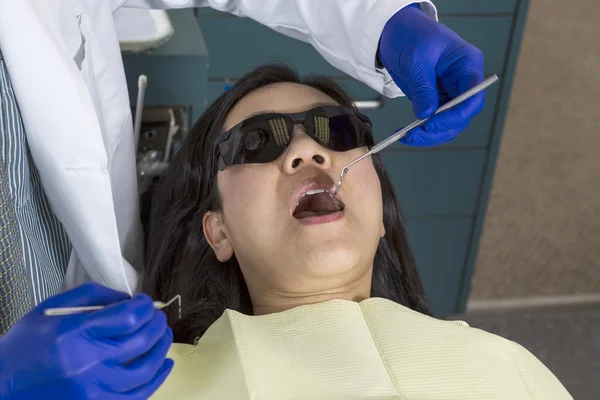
<point x="64" y="61"/>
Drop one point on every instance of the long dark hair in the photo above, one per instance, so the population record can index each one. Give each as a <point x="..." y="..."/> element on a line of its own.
<point x="179" y="258"/>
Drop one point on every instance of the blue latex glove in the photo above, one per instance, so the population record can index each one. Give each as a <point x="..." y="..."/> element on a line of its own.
<point x="431" y="64"/>
<point x="114" y="353"/>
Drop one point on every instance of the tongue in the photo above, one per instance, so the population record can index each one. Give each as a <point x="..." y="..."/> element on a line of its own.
<point x="313" y="205"/>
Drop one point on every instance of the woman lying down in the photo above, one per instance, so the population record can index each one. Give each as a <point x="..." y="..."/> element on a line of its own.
<point x="293" y="293"/>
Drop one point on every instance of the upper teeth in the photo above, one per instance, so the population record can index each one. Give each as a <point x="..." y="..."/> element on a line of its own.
<point x="314" y="191"/>
<point x="336" y="202"/>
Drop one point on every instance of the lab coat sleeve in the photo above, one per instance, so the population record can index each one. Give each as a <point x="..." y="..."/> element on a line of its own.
<point x="345" y="32"/>
<point x="537" y="378"/>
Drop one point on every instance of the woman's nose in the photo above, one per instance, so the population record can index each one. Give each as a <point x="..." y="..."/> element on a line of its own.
<point x="304" y="151"/>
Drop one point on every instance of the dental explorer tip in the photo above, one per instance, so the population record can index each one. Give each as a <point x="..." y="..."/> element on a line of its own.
<point x="339" y="184"/>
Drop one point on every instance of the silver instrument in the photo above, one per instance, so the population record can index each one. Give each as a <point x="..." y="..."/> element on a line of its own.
<point x="396" y="136"/>
<point x="74" y="310"/>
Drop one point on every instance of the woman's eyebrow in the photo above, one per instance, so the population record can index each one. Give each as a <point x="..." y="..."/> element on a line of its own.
<point x="313" y="105"/>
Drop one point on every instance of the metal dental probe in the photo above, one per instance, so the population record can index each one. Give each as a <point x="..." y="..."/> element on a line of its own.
<point x="396" y="136"/>
<point x="72" y="310"/>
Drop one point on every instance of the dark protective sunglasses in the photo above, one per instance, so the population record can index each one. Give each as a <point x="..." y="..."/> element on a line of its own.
<point x="263" y="138"/>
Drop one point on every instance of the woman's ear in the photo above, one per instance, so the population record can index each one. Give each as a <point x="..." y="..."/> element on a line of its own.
<point x="214" y="231"/>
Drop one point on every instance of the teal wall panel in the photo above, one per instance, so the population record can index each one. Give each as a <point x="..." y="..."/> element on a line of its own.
<point x="475" y="6"/>
<point x="435" y="183"/>
<point x="440" y="246"/>
<point x="443" y="7"/>
<point x="237" y="44"/>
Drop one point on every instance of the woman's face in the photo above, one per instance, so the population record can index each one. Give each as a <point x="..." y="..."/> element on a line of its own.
<point x="282" y="252"/>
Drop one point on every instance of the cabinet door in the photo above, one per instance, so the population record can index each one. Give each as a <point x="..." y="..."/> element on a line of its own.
<point x="238" y="44"/>
<point x="440" y="247"/>
<point x="436" y="183"/>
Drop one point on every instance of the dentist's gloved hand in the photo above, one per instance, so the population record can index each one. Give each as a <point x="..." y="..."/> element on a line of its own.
<point x="431" y="64"/>
<point x="114" y="353"/>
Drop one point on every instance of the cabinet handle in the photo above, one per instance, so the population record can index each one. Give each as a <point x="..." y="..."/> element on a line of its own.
<point x="368" y="104"/>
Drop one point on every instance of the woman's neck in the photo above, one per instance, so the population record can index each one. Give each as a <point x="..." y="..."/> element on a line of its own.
<point x="268" y="303"/>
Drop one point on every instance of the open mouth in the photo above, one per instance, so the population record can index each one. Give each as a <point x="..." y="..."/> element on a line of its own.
<point x="317" y="202"/>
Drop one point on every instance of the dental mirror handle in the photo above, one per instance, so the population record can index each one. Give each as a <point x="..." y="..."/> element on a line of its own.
<point x="53" y="312"/>
<point x="401" y="133"/>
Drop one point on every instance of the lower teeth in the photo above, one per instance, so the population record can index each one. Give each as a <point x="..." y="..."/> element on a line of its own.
<point x="337" y="204"/>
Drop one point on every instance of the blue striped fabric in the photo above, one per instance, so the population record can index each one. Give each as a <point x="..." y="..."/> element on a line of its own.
<point x="45" y="245"/>
<point x="15" y="297"/>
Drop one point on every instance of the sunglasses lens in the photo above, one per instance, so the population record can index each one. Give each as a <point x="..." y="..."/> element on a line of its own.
<point x="264" y="141"/>
<point x="344" y="133"/>
<point x="254" y="142"/>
